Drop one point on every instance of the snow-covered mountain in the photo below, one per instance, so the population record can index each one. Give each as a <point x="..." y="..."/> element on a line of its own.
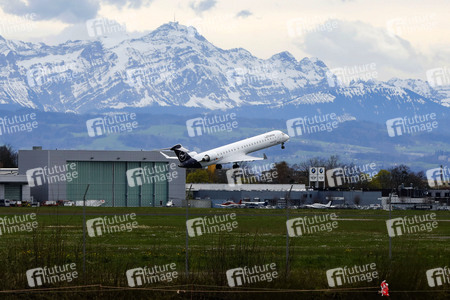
<point x="174" y="66"/>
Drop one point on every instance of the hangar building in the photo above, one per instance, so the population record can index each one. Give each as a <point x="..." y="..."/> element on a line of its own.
<point x="121" y="178"/>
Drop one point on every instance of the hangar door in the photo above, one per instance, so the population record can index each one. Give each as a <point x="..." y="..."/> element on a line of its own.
<point x="13" y="191"/>
<point x="128" y="184"/>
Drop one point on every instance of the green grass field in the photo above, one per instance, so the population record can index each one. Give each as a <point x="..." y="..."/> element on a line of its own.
<point x="260" y="238"/>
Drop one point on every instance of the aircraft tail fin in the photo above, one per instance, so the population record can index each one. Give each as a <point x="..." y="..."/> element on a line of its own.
<point x="181" y="153"/>
<point x="329" y="203"/>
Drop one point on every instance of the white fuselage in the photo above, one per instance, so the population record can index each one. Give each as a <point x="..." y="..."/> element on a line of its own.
<point x="235" y="151"/>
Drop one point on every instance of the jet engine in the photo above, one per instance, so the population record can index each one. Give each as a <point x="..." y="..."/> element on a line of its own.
<point x="210" y="157"/>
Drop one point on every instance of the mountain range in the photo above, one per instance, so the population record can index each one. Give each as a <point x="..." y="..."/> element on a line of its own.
<point x="176" y="67"/>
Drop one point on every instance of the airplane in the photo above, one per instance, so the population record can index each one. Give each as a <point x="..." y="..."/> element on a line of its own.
<point x="254" y="204"/>
<point x="232" y="204"/>
<point x="170" y="203"/>
<point x="231" y="153"/>
<point x="320" y="206"/>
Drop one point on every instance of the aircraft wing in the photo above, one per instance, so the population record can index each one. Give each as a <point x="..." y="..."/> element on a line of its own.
<point x="240" y="157"/>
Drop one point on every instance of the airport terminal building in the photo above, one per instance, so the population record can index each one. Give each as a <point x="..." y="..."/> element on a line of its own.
<point x="120" y="178"/>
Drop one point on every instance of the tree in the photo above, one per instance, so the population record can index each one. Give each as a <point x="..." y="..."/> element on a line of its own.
<point x="8" y="157"/>
<point x="198" y="176"/>
<point x="381" y="181"/>
<point x="284" y="173"/>
<point x="399" y="175"/>
<point x="403" y="175"/>
<point x="418" y="180"/>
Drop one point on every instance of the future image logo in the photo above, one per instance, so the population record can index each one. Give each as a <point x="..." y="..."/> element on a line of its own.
<point x="211" y="124"/>
<point x="411" y="125"/>
<point x="309" y="225"/>
<point x="438" y="77"/>
<point x="410" y="24"/>
<point x="48" y="175"/>
<point x="51" y="275"/>
<point x="335" y="177"/>
<point x="254" y="74"/>
<point x="18" y="124"/>
<point x="351" y="174"/>
<point x="248" y="275"/>
<point x="150" y="75"/>
<point x="108" y="225"/>
<point x="413" y="224"/>
<point x="438" y="176"/>
<point x="348" y="275"/>
<point x="148" y="275"/>
<point x="256" y="174"/>
<point x="303" y="25"/>
<point x="235" y="176"/>
<point x="312" y="124"/>
<point x="206" y="225"/>
<point x="112" y="124"/>
<point x="149" y="175"/>
<point x="57" y="73"/>
<point x="16" y="223"/>
<point x="438" y="276"/>
<point x="103" y="26"/>
<point x="17" y="23"/>
<point x="340" y="77"/>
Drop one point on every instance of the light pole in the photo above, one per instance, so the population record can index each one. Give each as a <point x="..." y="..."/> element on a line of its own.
<point x="390" y="238"/>
<point x="287" y="232"/>
<point x="84" y="232"/>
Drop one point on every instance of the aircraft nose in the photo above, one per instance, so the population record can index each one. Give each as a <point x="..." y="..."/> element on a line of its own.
<point x="285" y="137"/>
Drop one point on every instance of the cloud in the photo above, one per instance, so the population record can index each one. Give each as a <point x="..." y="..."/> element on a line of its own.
<point x="201" y="6"/>
<point x="244" y="14"/>
<point x="66" y="11"/>
<point x="357" y="43"/>
<point x="99" y="28"/>
<point x="128" y="3"/>
<point x="69" y="12"/>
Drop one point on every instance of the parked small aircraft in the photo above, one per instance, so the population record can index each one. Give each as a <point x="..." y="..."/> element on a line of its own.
<point x="254" y="204"/>
<point x="320" y="206"/>
<point x="232" y="204"/>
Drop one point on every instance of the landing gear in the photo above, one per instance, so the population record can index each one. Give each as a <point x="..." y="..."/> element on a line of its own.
<point x="218" y="166"/>
<point x="235" y="166"/>
<point x="282" y="146"/>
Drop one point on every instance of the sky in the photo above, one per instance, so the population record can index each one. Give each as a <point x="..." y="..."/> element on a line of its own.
<point x="403" y="38"/>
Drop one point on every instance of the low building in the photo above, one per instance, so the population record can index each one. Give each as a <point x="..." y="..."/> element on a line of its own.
<point x="277" y="194"/>
<point x="14" y="186"/>
<point x="409" y="198"/>
<point x="395" y="202"/>
<point x="441" y="196"/>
